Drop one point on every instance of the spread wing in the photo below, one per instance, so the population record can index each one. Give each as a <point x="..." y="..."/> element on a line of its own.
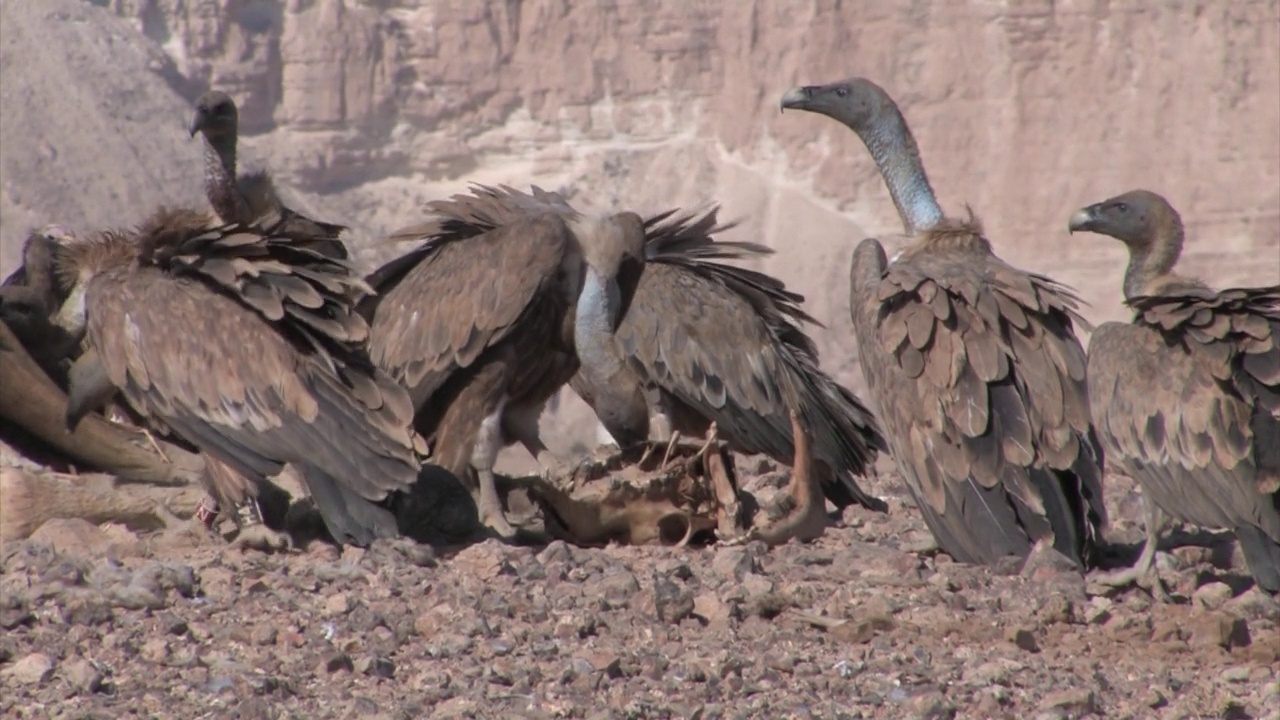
<point x="462" y="296"/>
<point x="980" y="382"/>
<point x="1187" y="402"/>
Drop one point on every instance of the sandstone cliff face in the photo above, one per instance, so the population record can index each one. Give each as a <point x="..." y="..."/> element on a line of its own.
<point x="1024" y="110"/>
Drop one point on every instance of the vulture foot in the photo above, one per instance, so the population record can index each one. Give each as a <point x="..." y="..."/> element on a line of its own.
<point x="801" y="514"/>
<point x="254" y="534"/>
<point x="195" y="531"/>
<point x="1144" y="573"/>
<point x="490" y="509"/>
<point x="263" y="539"/>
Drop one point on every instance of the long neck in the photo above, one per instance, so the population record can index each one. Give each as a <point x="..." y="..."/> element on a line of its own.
<point x="1153" y="260"/>
<point x="894" y="149"/>
<point x="593" y="330"/>
<point x="220" y="179"/>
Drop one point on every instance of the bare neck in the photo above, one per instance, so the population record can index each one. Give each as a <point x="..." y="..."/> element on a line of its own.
<point x="894" y="150"/>
<point x="220" y="179"/>
<point x="1152" y="261"/>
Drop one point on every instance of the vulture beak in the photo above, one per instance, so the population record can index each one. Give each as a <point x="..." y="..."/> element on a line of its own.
<point x="1085" y="219"/>
<point x="797" y="98"/>
<point x="198" y="121"/>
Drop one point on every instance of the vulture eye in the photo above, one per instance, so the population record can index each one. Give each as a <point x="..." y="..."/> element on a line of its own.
<point x="842" y="91"/>
<point x="1122" y="207"/>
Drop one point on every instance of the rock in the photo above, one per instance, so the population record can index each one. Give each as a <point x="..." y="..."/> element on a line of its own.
<point x="1211" y="596"/>
<point x="672" y="602"/>
<point x="618" y="589"/>
<point x="708" y="606"/>
<point x="338" y="604"/>
<point x="1220" y="630"/>
<point x="1023" y="637"/>
<point x="33" y="669"/>
<point x="1235" y="674"/>
<point x="336" y="662"/>
<point x="375" y="666"/>
<point x="83" y="676"/>
<point x="70" y="535"/>
<point x="1075" y="703"/>
<point x="155" y="650"/>
<point x="733" y="563"/>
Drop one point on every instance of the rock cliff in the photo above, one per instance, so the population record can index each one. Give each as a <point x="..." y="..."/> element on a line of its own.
<point x="1023" y="109"/>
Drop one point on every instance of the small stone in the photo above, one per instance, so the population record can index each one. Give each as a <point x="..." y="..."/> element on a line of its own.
<point x="155" y="650"/>
<point x="1099" y="611"/>
<point x="264" y="635"/>
<point x="1154" y="700"/>
<point x="338" y="604"/>
<point x="83" y="676"/>
<point x="712" y="609"/>
<point x="733" y="562"/>
<point x="1023" y="638"/>
<point x="1235" y="674"/>
<point x="337" y="662"/>
<point x="1221" y="630"/>
<point x="1074" y="702"/>
<point x="1056" y="609"/>
<point x="672" y="602"/>
<point x="172" y="624"/>
<point x="1211" y="596"/>
<point x="375" y="666"/>
<point x="33" y="669"/>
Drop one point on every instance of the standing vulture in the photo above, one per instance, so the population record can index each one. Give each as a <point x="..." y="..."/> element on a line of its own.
<point x="244" y="198"/>
<point x="700" y="342"/>
<point x="974" y="364"/>
<point x="243" y="340"/>
<point x="1186" y="398"/>
<point x="707" y="342"/>
<point x="479" y="326"/>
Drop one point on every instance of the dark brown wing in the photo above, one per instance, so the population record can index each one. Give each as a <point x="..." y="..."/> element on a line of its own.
<point x="1187" y="402"/>
<point x="462" y="296"/>
<point x="726" y="342"/>
<point x="980" y="382"/>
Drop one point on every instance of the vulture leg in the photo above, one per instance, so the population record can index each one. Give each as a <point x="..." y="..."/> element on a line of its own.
<point x="1144" y="573"/>
<point x="521" y="423"/>
<point x="801" y="513"/>
<point x="89" y="389"/>
<point x="483" y="457"/>
<point x="254" y="533"/>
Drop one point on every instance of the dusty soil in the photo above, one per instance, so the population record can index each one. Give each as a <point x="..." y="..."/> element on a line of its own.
<point x="868" y="621"/>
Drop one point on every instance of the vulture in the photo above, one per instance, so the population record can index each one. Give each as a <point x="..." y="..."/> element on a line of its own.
<point x="479" y="326"/>
<point x="1186" y="398"/>
<point x="246" y="197"/>
<point x="704" y="342"/>
<point x="30" y="299"/>
<point x="974" y="364"/>
<point x="243" y="340"/>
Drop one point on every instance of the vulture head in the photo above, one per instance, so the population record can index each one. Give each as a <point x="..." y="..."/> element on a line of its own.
<point x="613" y="253"/>
<point x="857" y="102"/>
<point x="30" y="297"/>
<point x="216" y="116"/>
<point x="1138" y="218"/>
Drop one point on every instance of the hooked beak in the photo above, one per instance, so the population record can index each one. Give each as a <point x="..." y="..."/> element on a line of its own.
<point x="1085" y="219"/>
<point x="198" y="121"/>
<point x="797" y="98"/>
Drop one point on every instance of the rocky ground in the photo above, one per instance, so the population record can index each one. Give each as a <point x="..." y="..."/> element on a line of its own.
<point x="869" y="621"/>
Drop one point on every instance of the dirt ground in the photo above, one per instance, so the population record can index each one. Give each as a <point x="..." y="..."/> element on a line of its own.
<point x="868" y="621"/>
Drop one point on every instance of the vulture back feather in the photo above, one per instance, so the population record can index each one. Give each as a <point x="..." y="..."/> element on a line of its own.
<point x="243" y="339"/>
<point x="1186" y="398"/>
<point x="975" y="366"/>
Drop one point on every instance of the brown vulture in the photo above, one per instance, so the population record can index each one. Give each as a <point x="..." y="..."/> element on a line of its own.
<point x="974" y="364"/>
<point x="1186" y="398"/>
<point x="479" y="325"/>
<point x="701" y="341"/>
<point x="245" y="197"/>
<point x="243" y="340"/>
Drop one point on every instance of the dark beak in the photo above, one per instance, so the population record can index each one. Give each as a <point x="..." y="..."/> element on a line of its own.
<point x="797" y="98"/>
<point x="1083" y="220"/>
<point x="198" y="121"/>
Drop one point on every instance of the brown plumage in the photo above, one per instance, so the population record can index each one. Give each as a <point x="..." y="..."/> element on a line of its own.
<point x="30" y="299"/>
<point x="1186" y="398"/>
<point x="243" y="340"/>
<point x="245" y="197"/>
<point x="479" y="325"/>
<point x="974" y="364"/>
